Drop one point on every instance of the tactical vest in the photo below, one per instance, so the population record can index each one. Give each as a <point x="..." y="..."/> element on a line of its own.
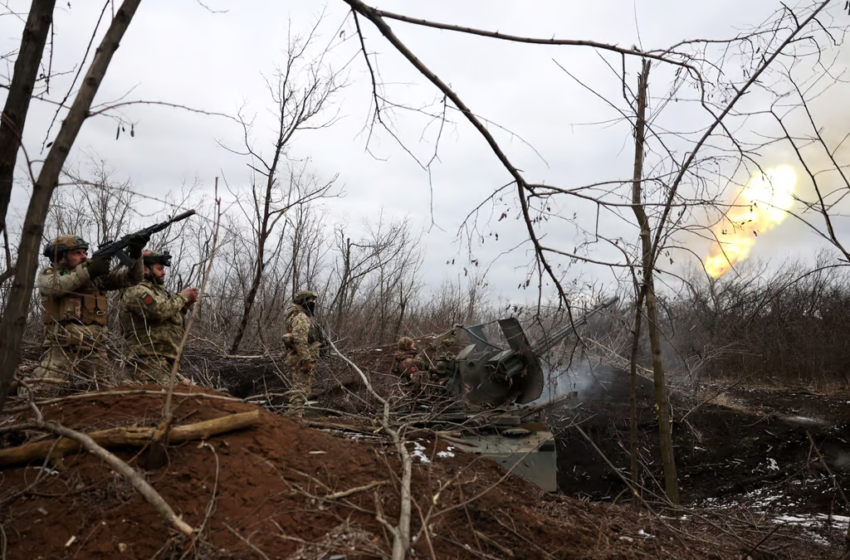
<point x="87" y="305"/>
<point x="314" y="335"/>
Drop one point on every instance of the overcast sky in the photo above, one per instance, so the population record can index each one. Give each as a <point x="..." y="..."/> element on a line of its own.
<point x="178" y="52"/>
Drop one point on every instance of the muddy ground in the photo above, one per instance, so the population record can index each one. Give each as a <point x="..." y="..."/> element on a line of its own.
<point x="753" y="449"/>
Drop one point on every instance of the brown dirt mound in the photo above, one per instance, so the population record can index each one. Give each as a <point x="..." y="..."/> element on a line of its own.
<point x="263" y="493"/>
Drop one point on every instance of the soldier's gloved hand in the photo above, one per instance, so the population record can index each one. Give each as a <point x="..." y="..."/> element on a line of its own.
<point x="190" y="294"/>
<point x="97" y="267"/>
<point x="135" y="245"/>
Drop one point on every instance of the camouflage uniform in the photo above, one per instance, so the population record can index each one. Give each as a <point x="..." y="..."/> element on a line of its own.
<point x="152" y="321"/>
<point x="302" y="350"/>
<point x="409" y="366"/>
<point x="74" y="309"/>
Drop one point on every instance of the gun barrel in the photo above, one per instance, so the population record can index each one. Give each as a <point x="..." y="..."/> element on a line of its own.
<point x="182" y="216"/>
<point x="553" y="339"/>
<point x="115" y="247"/>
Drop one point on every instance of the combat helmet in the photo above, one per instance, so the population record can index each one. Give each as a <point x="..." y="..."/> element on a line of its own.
<point x="405" y="344"/>
<point x="62" y="244"/>
<point x="301" y="297"/>
<point x="152" y="257"/>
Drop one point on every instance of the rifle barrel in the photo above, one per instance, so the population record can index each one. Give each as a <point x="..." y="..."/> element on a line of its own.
<point x="182" y="216"/>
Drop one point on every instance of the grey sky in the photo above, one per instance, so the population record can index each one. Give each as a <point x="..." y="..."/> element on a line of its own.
<point x="180" y="53"/>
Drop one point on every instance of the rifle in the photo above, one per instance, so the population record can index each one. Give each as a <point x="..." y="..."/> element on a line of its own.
<point x="116" y="248"/>
<point x="318" y="334"/>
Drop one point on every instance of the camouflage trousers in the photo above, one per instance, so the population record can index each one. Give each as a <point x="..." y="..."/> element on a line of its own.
<point x="302" y="382"/>
<point x="151" y="370"/>
<point x="61" y="362"/>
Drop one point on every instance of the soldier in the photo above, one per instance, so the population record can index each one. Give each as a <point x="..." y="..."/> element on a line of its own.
<point x="303" y="343"/>
<point x="73" y="297"/>
<point x="152" y="321"/>
<point x="407" y="364"/>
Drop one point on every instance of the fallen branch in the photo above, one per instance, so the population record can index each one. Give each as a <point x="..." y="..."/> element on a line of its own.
<point x="131" y="436"/>
<point x="345" y="493"/>
<point x="139" y="483"/>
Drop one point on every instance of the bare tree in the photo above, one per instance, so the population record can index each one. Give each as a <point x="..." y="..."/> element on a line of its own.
<point x="385" y="249"/>
<point x="647" y="290"/>
<point x="99" y="208"/>
<point x="20" y="92"/>
<point x="301" y="92"/>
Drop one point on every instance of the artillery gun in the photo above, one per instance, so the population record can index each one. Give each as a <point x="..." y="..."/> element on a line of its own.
<point x="495" y="416"/>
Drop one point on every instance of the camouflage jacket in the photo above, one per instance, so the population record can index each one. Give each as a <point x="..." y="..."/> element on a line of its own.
<point x="152" y="320"/>
<point x="301" y="338"/>
<point x="407" y="362"/>
<point x="68" y="292"/>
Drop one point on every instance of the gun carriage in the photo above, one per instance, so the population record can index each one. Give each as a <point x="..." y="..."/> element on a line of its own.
<point x="498" y="413"/>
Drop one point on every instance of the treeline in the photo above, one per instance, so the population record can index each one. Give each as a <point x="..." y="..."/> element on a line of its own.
<point x="782" y="326"/>
<point x="761" y="324"/>
<point x="766" y="324"/>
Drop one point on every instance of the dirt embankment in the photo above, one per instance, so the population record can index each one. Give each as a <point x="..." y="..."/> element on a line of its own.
<point x="268" y="492"/>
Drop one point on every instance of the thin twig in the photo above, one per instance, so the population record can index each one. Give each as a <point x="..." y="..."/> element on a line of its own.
<point x="211" y="258"/>
<point x="351" y="491"/>
<point x="246" y="541"/>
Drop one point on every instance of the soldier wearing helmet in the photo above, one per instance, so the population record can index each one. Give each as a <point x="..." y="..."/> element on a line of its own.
<point x="74" y="306"/>
<point x="303" y="343"/>
<point x="152" y="321"/>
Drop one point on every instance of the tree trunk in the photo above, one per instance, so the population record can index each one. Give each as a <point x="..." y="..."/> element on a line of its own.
<point x="249" y="305"/>
<point x="20" y="92"/>
<point x="15" y="315"/>
<point x="633" y="444"/>
<point x="402" y="307"/>
<point x="671" y="482"/>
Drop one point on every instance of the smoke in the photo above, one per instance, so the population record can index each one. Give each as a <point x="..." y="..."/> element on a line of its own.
<point x="587" y="380"/>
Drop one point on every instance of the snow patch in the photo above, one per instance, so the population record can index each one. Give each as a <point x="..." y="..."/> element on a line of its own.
<point x="813" y="521"/>
<point x="645" y="535"/>
<point x="772" y="465"/>
<point x="804" y="420"/>
<point x="819" y="539"/>
<point x="447" y="453"/>
<point x="419" y="452"/>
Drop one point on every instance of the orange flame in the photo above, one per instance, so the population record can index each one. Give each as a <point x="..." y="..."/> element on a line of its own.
<point x="762" y="204"/>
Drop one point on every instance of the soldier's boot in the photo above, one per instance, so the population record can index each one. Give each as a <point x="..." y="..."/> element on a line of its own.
<point x="296" y="404"/>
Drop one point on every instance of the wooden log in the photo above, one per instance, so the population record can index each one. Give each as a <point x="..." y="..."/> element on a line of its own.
<point x="131" y="436"/>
